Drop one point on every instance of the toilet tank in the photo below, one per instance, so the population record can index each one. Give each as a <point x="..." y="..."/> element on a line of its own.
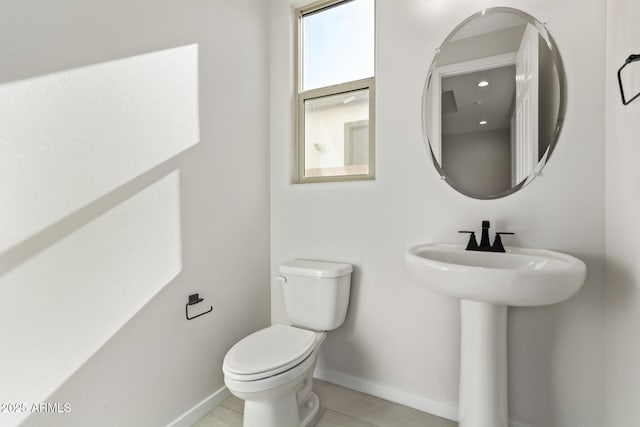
<point x="316" y="293"/>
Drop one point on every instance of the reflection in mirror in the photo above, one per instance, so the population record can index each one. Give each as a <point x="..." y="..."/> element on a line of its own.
<point x="494" y="103"/>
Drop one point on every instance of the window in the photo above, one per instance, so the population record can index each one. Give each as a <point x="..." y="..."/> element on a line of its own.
<point x="336" y="93"/>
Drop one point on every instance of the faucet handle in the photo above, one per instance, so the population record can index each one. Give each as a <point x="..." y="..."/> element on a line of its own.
<point x="497" y="243"/>
<point x="472" y="245"/>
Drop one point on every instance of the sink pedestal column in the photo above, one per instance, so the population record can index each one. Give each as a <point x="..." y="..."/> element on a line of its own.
<point x="483" y="365"/>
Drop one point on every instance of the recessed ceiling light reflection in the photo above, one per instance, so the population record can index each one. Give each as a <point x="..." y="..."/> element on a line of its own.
<point x="483" y="122"/>
<point x="478" y="102"/>
<point x="483" y="83"/>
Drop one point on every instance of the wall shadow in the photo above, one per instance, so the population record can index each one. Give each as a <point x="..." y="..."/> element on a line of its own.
<point x="70" y="137"/>
<point x="44" y="239"/>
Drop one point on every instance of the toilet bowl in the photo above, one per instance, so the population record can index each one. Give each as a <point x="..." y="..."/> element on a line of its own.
<point x="272" y="369"/>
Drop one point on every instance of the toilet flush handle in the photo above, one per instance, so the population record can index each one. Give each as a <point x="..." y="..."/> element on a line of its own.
<point x="281" y="279"/>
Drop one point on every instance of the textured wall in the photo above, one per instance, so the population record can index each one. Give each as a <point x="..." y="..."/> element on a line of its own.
<point x="129" y="179"/>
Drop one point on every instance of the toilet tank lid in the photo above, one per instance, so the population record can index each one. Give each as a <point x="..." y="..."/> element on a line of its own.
<point x="307" y="267"/>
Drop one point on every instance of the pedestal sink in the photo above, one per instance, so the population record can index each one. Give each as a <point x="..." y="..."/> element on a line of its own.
<point x="487" y="283"/>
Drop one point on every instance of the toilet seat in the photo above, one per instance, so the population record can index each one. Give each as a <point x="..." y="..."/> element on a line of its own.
<point x="268" y="352"/>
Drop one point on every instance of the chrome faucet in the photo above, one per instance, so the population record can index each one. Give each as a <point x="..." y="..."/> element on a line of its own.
<point x="485" y="244"/>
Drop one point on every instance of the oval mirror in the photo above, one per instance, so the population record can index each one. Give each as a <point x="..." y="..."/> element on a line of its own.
<point x="494" y="103"/>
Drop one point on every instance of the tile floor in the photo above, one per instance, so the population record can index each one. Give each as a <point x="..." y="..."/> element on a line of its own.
<point x="339" y="407"/>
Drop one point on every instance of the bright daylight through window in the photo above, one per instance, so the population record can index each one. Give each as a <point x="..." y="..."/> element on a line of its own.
<point x="336" y="103"/>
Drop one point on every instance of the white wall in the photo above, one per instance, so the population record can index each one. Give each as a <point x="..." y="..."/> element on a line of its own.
<point x="478" y="162"/>
<point x="400" y="334"/>
<point x="129" y="179"/>
<point x="622" y="347"/>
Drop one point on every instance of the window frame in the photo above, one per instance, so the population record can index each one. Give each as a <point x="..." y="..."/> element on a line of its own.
<point x="324" y="91"/>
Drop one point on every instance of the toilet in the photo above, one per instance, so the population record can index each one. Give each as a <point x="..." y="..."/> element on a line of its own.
<point x="272" y="369"/>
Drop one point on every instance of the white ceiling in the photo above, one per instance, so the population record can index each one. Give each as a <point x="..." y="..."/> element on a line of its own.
<point x="497" y="100"/>
<point x="487" y="24"/>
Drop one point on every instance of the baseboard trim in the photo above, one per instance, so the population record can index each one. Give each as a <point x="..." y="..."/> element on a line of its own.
<point x="190" y="417"/>
<point x="412" y="400"/>
<point x="422" y="403"/>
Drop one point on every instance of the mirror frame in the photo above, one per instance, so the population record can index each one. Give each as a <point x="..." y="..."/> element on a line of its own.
<point x="562" y="107"/>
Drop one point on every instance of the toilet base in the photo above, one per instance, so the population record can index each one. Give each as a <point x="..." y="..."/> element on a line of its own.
<point x="281" y="412"/>
<point x="284" y="400"/>
<point x="310" y="409"/>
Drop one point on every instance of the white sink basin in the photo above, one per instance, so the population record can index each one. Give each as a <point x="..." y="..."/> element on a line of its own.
<point x="520" y="277"/>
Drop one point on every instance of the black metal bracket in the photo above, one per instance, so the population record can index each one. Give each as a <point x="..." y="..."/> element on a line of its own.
<point x="193" y="300"/>
<point x="629" y="60"/>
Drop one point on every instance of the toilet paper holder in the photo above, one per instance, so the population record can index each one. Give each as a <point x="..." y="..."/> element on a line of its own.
<point x="193" y="300"/>
<point x="629" y="60"/>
